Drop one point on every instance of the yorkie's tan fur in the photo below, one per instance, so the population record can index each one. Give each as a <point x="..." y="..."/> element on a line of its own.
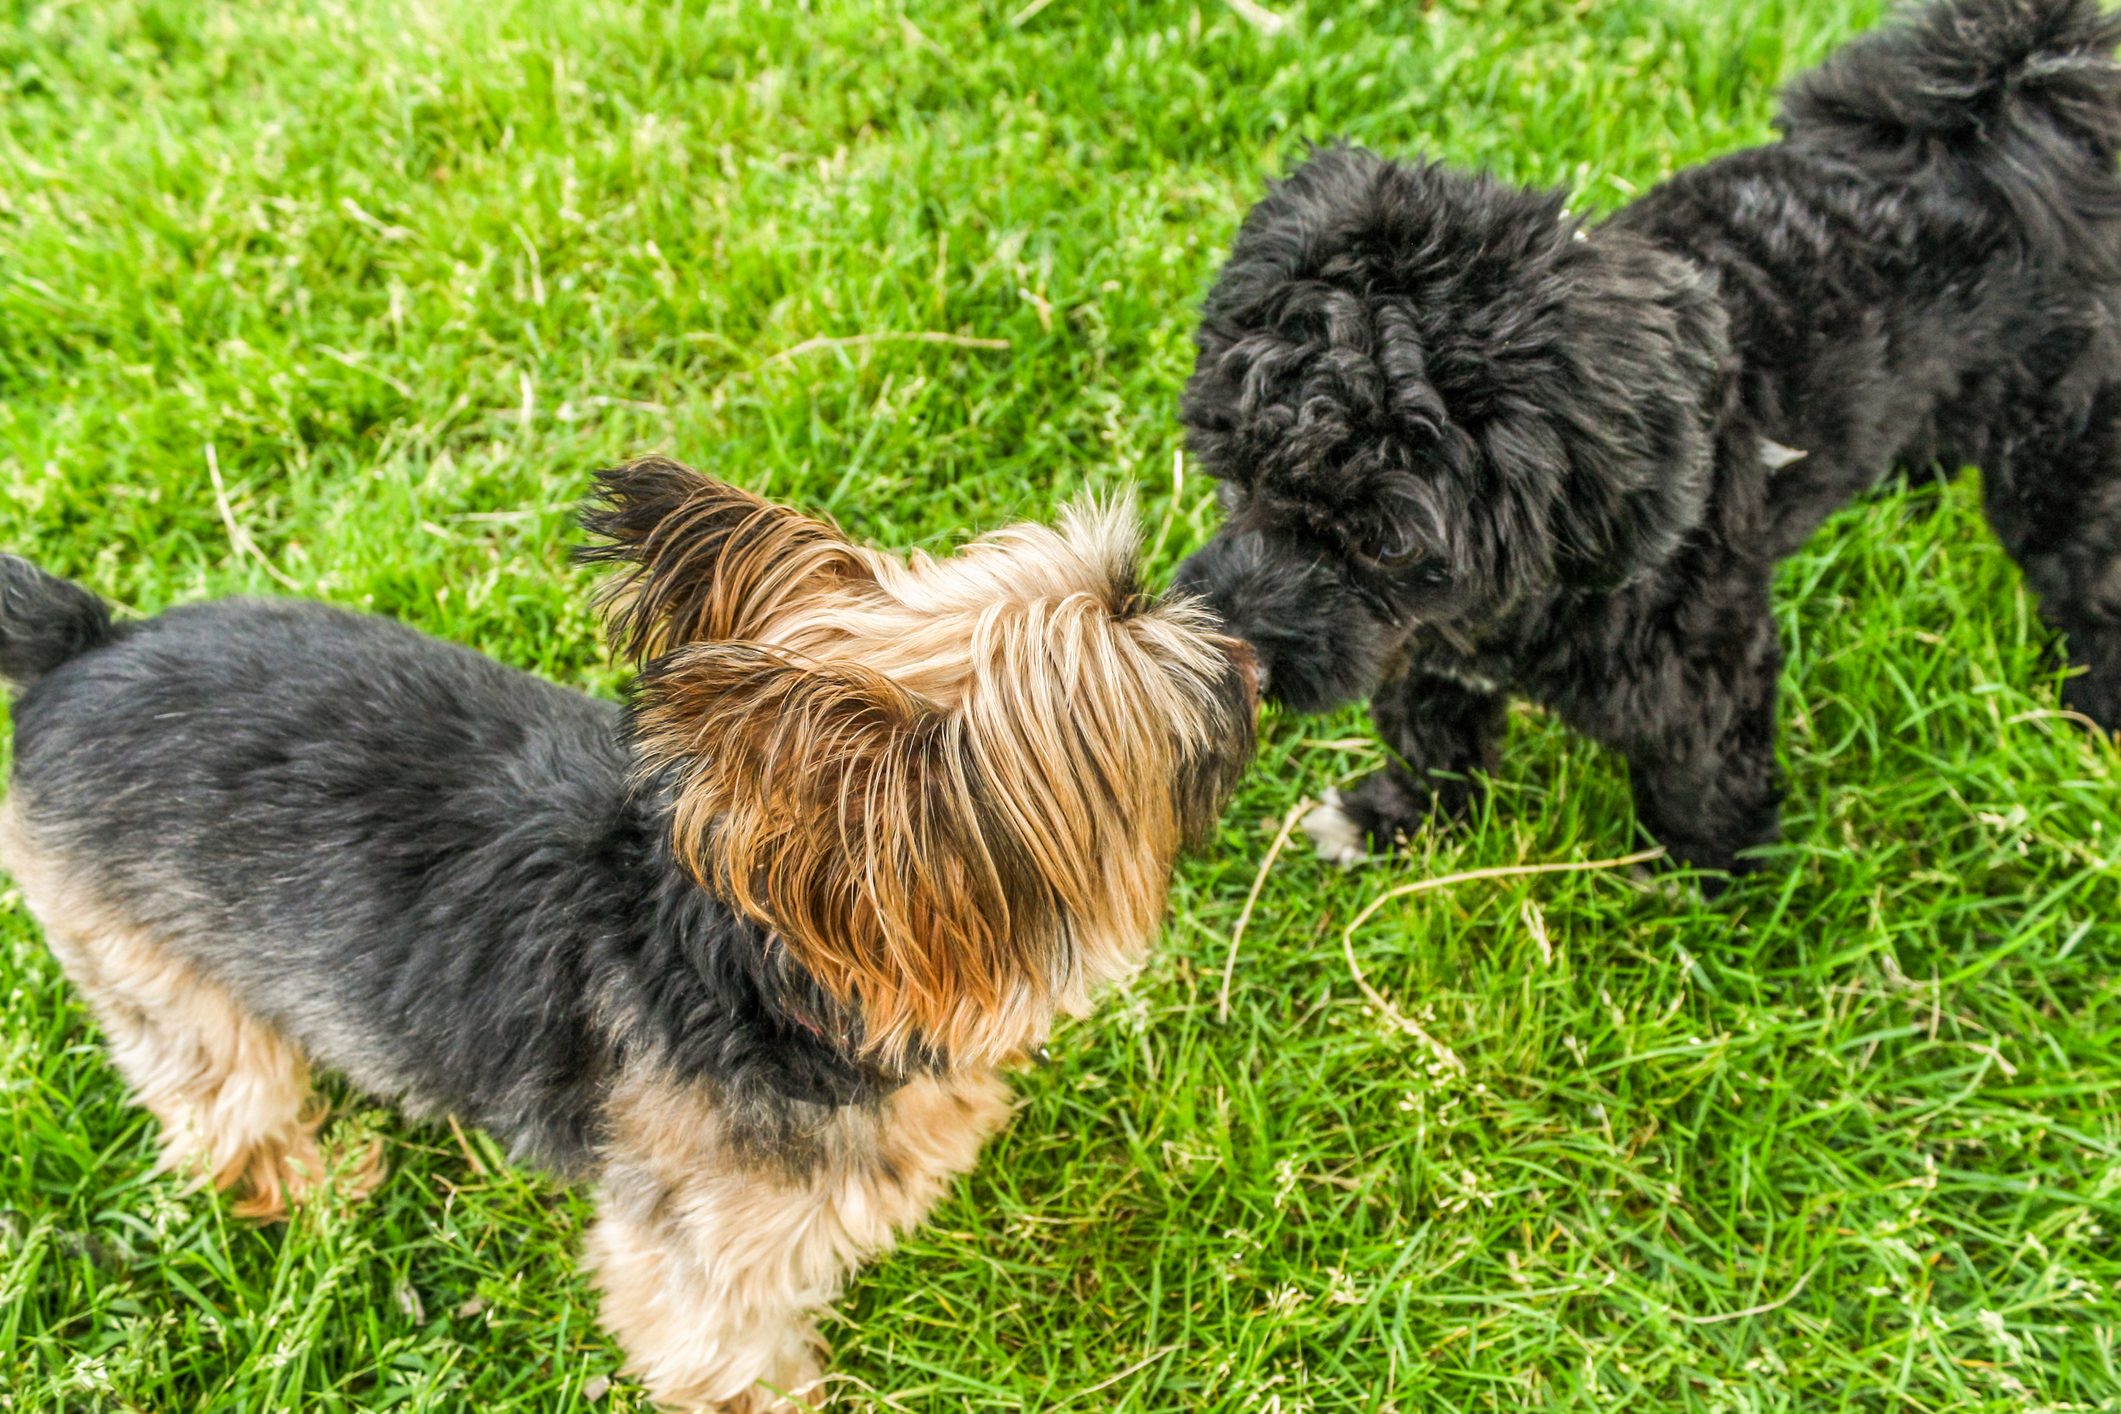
<point x="746" y="955"/>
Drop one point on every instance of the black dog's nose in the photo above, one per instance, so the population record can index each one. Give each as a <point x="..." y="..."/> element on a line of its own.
<point x="1218" y="571"/>
<point x="1192" y="576"/>
<point x="1220" y="575"/>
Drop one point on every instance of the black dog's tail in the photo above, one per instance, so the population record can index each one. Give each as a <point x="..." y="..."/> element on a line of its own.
<point x="2013" y="104"/>
<point x="44" y="621"/>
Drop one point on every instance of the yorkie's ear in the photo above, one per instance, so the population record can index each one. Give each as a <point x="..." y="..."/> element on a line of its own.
<point x="845" y="813"/>
<point x="710" y="562"/>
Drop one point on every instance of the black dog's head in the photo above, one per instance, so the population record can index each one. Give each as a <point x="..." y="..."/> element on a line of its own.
<point x="1430" y="396"/>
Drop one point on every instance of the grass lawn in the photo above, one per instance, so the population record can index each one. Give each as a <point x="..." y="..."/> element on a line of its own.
<point x="349" y="298"/>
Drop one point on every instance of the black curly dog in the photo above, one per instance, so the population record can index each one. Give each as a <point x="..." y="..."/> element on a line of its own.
<point x="1473" y="447"/>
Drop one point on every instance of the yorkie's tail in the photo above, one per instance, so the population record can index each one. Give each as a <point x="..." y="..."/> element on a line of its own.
<point x="44" y="621"/>
<point x="2010" y="108"/>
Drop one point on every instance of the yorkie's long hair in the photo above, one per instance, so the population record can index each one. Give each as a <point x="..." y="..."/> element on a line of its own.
<point x="955" y="787"/>
<point x="745" y="954"/>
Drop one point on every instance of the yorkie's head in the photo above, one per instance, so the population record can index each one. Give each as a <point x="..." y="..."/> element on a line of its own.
<point x="953" y="788"/>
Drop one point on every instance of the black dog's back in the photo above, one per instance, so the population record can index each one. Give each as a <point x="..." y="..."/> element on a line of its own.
<point x="1999" y="114"/>
<point x="1930" y="251"/>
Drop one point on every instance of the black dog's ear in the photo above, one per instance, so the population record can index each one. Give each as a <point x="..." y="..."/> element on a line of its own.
<point x="1640" y="378"/>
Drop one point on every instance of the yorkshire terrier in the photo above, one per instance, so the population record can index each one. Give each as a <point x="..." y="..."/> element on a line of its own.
<point x="1473" y="447"/>
<point x="746" y="955"/>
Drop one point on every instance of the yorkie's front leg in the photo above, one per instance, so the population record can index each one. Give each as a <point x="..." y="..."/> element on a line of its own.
<point x="714" y="1253"/>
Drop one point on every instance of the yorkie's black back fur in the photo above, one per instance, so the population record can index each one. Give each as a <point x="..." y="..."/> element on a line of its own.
<point x="350" y="791"/>
<point x="746" y="954"/>
<point x="1473" y="448"/>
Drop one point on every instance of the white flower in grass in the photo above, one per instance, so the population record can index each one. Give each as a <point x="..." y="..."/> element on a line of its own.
<point x="1182" y="1156"/>
<point x="1131" y="1015"/>
<point x="2007" y="1345"/>
<point x="1287" y="1299"/>
<point x="1285" y="1180"/>
<point x="137" y="1329"/>
<point x="1466" y="1190"/>
<point x="1340" y="1288"/>
<point x="2011" y="1385"/>
<point x="90" y="1374"/>
<point x="166" y="1211"/>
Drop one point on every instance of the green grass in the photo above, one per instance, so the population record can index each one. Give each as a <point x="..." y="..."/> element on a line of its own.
<point x="403" y="273"/>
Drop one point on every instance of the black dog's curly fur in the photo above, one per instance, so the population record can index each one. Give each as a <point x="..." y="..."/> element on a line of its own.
<point x="1472" y="447"/>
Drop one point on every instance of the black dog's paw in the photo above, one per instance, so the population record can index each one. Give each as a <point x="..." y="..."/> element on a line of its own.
<point x="1716" y="840"/>
<point x="1376" y="815"/>
<point x="2096" y="694"/>
<point x="1334" y="832"/>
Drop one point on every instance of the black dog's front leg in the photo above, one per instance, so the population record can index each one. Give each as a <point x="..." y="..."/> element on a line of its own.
<point x="1699" y="735"/>
<point x="2054" y="497"/>
<point x="1705" y="811"/>
<point x="1442" y="731"/>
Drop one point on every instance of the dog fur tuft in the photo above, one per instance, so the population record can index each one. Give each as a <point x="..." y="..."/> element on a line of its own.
<point x="953" y="788"/>
<point x="2013" y="102"/>
<point x="44" y="621"/>
<point x="844" y="812"/>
